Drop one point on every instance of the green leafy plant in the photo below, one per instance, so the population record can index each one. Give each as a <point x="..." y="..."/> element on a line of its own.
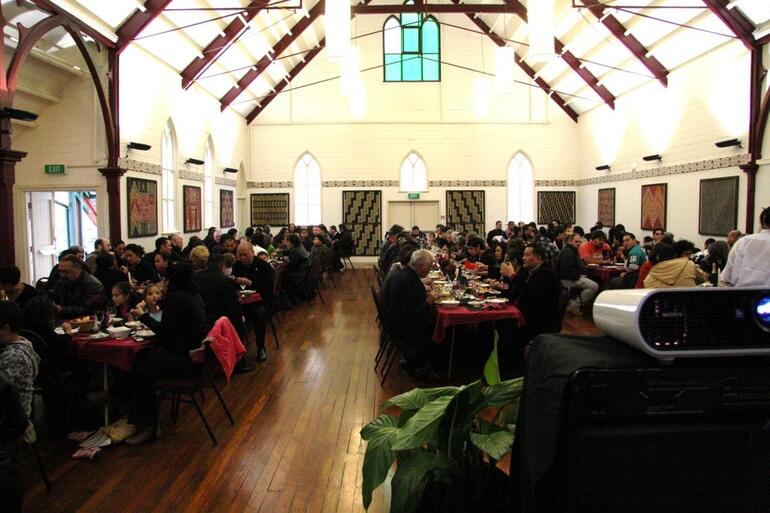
<point x="445" y="443"/>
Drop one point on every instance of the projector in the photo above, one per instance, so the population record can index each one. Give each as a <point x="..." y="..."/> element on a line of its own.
<point x="688" y="322"/>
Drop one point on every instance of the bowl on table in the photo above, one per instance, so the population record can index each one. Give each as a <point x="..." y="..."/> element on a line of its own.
<point x="119" y="332"/>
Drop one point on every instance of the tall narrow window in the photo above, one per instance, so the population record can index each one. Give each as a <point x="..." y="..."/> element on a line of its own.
<point x="521" y="187"/>
<point x="208" y="185"/>
<point x="307" y="191"/>
<point x="168" y="161"/>
<point x="411" y="48"/>
<point x="414" y="177"/>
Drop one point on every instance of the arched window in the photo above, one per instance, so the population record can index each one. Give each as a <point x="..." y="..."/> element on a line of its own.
<point x="307" y="191"/>
<point x="168" y="162"/>
<point x="414" y="177"/>
<point x="521" y="187"/>
<point x="208" y="184"/>
<point x="411" y="48"/>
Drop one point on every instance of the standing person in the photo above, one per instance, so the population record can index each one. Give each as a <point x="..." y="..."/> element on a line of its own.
<point x="256" y="274"/>
<point x="177" y="246"/>
<point x="14" y="289"/>
<point x="748" y="264"/>
<point x="209" y="240"/>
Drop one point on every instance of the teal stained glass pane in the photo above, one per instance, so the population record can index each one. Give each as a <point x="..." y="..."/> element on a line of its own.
<point x="410" y="19"/>
<point x="430" y="67"/>
<point x="412" y="68"/>
<point x="411" y="40"/>
<point x="430" y="37"/>
<point x="392" y="68"/>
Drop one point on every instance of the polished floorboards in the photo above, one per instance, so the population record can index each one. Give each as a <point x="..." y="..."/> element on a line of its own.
<point x="295" y="446"/>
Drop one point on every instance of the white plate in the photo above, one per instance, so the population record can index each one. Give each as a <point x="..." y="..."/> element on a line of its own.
<point x="448" y="302"/>
<point x="248" y="291"/>
<point x="494" y="292"/>
<point x="60" y="331"/>
<point x="497" y="300"/>
<point x="98" y="336"/>
<point x="476" y="303"/>
<point x="133" y="324"/>
<point x="144" y="333"/>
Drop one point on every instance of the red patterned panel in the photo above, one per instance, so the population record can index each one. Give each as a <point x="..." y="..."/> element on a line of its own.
<point x="654" y="206"/>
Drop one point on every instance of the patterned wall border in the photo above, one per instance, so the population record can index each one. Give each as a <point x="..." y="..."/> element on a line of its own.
<point x="360" y="183"/>
<point x="467" y="183"/>
<point x="225" y="181"/>
<point x="139" y="166"/>
<point x="269" y="185"/>
<point x="190" y="175"/>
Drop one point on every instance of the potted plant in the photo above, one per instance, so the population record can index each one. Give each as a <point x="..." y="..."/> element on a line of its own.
<point x="445" y="443"/>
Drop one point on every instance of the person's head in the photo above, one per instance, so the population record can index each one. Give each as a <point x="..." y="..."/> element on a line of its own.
<point x="648" y="240"/>
<point x="303" y="233"/>
<point x="161" y="262"/>
<point x="475" y="246"/>
<point x="555" y="224"/>
<point x="105" y="261"/>
<point x="498" y="225"/>
<point x="262" y="255"/>
<point x="718" y="252"/>
<point x="133" y="253"/>
<point x="118" y="246"/>
<point x="233" y="232"/>
<point x="629" y="241"/>
<point x="322" y="229"/>
<point x="176" y="240"/>
<point x="228" y="242"/>
<point x="39" y="312"/>
<point x="657" y="234"/>
<point x="102" y="244"/>
<point x="292" y="228"/>
<point x="405" y="253"/>
<point x="733" y="236"/>
<point x="708" y="243"/>
<point x="180" y="278"/>
<point x="511" y="225"/>
<point x="10" y="276"/>
<point x="343" y="228"/>
<point x="245" y="253"/>
<point x="163" y="245"/>
<point x="576" y="240"/>
<point x="333" y="229"/>
<point x="439" y="230"/>
<point x="533" y="256"/>
<point x="667" y="239"/>
<point x="229" y="261"/>
<point x="318" y="240"/>
<point x="249" y="233"/>
<point x="499" y="252"/>
<point x="665" y="252"/>
<point x="70" y="268"/>
<point x="199" y="256"/>
<point x="598" y="238"/>
<point x="421" y="261"/>
<point x="121" y="293"/>
<point x="415" y="231"/>
<point x="216" y="261"/>
<point x="10" y="321"/>
<point x="75" y="250"/>
<point x="684" y="248"/>
<point x="393" y="233"/>
<point x="459" y="241"/>
<point x="211" y="231"/>
<point x="764" y="218"/>
<point x="293" y="240"/>
<point x="152" y="294"/>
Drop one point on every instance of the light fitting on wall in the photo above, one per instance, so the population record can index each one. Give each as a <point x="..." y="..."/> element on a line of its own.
<point x="20" y="115"/>
<point x="230" y="170"/>
<point x="652" y="157"/>
<point x="728" y="143"/>
<point x="138" y="146"/>
<point x="605" y="167"/>
<point x="197" y="162"/>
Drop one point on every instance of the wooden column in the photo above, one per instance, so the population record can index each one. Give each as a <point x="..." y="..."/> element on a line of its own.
<point x="8" y="160"/>
<point x="750" y="169"/>
<point x="113" y="174"/>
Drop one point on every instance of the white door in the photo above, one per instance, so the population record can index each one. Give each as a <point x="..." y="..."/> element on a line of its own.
<point x="41" y="221"/>
<point x="400" y="212"/>
<point x="425" y="215"/>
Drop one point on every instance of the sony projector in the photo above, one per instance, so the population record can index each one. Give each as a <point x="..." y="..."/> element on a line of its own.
<point x="691" y="322"/>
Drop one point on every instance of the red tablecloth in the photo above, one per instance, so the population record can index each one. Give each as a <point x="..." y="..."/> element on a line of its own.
<point x="118" y="353"/>
<point x="452" y="316"/>
<point x="251" y="298"/>
<point x="603" y="273"/>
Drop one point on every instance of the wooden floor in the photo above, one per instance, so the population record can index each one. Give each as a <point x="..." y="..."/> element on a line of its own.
<point x="295" y="446"/>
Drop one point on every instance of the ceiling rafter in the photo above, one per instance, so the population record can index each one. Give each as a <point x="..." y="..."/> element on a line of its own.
<point x="735" y="21"/>
<point x="629" y="41"/>
<point x="571" y="60"/>
<point x="214" y="50"/>
<point x="263" y="63"/>
<point x="49" y="6"/>
<point x="285" y="81"/>
<point x="525" y="67"/>
<point x="138" y="21"/>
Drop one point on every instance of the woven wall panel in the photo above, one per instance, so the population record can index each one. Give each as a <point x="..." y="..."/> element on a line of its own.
<point x="271" y="209"/>
<point x="362" y="213"/>
<point x="465" y="211"/>
<point x="555" y="205"/>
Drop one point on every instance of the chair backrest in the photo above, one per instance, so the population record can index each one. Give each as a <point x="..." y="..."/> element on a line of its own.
<point x="314" y="271"/>
<point x="563" y="302"/>
<point x="206" y="358"/>
<point x="326" y="261"/>
<point x="42" y="284"/>
<point x="376" y="299"/>
<point x="45" y="373"/>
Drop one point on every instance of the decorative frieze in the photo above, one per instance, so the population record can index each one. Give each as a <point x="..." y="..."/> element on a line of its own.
<point x="138" y="166"/>
<point x="467" y="183"/>
<point x="225" y="181"/>
<point x="360" y="183"/>
<point x="269" y="185"/>
<point x="191" y="175"/>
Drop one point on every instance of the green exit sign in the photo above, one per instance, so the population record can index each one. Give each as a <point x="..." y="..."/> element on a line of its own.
<point x="414" y="195"/>
<point x="55" y="169"/>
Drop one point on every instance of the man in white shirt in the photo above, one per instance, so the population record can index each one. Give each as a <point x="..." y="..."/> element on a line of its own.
<point x="749" y="262"/>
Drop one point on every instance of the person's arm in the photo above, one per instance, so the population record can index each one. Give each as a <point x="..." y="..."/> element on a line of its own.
<point x="727" y="273"/>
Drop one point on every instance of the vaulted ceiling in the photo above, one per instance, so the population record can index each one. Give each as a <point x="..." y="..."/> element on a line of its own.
<point x="245" y="52"/>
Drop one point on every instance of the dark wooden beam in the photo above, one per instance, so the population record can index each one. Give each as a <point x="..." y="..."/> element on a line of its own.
<point x="94" y="34"/>
<point x="291" y="76"/>
<point x="138" y="21"/>
<point x="735" y="21"/>
<point x="432" y="9"/>
<point x="525" y="67"/>
<point x="220" y="44"/>
<point x="261" y="65"/>
<point x="629" y="41"/>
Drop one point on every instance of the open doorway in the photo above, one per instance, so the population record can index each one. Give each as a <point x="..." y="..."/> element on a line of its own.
<point x="57" y="220"/>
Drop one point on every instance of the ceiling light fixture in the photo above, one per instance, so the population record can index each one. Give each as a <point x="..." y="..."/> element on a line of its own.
<point x="605" y="167"/>
<point x="197" y="162"/>
<point x="541" y="37"/>
<point x="504" y="57"/>
<point x="728" y="143"/>
<point x="648" y="158"/>
<point x="337" y="18"/>
<point x="17" y="114"/>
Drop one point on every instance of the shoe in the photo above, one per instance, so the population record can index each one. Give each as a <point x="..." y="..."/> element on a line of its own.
<point x="146" y="434"/>
<point x="244" y="366"/>
<point x="261" y="355"/>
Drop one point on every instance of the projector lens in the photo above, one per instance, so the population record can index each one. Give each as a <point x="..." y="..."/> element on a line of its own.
<point x="763" y="311"/>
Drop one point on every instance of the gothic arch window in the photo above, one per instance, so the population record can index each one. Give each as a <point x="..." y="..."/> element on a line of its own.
<point x="168" y="178"/>
<point x="521" y="189"/>
<point x="307" y="191"/>
<point x="411" y="48"/>
<point x="414" y="176"/>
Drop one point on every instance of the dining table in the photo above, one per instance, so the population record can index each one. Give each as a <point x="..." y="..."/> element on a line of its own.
<point x="604" y="273"/>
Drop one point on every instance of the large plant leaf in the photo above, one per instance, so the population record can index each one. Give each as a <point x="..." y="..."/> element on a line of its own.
<point x="418" y="397"/>
<point x="458" y="415"/>
<point x="413" y="473"/>
<point x="379" y="456"/>
<point x="502" y="393"/>
<point x="495" y="444"/>
<point x="422" y="427"/>
<point x="492" y="368"/>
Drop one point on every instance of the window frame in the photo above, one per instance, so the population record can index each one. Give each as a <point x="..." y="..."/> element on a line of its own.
<point x="208" y="184"/>
<point x="404" y="161"/>
<point x="419" y="54"/>
<point x="313" y="193"/>
<point x="168" y="177"/>
<point x="515" y="165"/>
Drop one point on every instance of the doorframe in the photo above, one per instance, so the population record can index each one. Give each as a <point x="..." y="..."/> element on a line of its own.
<point x="20" y="212"/>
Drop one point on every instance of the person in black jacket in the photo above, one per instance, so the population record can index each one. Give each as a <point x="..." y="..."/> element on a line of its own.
<point x="137" y="267"/>
<point x="407" y="311"/>
<point x="343" y="246"/>
<point x="569" y="267"/>
<point x="182" y="328"/>
<point x="255" y="274"/>
<point x="297" y="264"/>
<point x="107" y="273"/>
<point x="15" y="291"/>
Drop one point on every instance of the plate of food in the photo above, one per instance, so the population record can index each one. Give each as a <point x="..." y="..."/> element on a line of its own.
<point x="494" y="292"/>
<point x="144" y="333"/>
<point x="448" y="302"/>
<point x="133" y="324"/>
<point x="99" y="336"/>
<point x="497" y="300"/>
<point x="475" y="303"/>
<point x="60" y="331"/>
<point x="84" y="323"/>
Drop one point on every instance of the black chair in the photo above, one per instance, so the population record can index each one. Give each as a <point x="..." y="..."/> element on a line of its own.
<point x="378" y="275"/>
<point x="345" y="257"/>
<point x="327" y="267"/>
<point x="312" y="280"/>
<point x="389" y="350"/>
<point x="42" y="284"/>
<point x="174" y="389"/>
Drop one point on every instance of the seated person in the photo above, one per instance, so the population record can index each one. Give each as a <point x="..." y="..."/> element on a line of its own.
<point x="199" y="256"/>
<point x="674" y="268"/>
<point x="53" y="276"/>
<point x="182" y="328"/>
<point x="320" y="250"/>
<point x="161" y="263"/>
<point x="220" y="294"/>
<point x="478" y="254"/>
<point x="256" y="274"/>
<point x="102" y="245"/>
<point x="408" y="312"/>
<point x="11" y="284"/>
<point x="569" y="268"/>
<point x="596" y="250"/>
<point x="107" y="273"/>
<point x="77" y="292"/>
<point x="343" y="247"/>
<point x="305" y="239"/>
<point x="124" y="299"/>
<point x="297" y="264"/>
<point x="494" y="269"/>
<point x="137" y="269"/>
<point x="153" y="297"/>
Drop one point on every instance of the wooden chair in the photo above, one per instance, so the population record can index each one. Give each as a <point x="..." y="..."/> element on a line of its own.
<point x="175" y="389"/>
